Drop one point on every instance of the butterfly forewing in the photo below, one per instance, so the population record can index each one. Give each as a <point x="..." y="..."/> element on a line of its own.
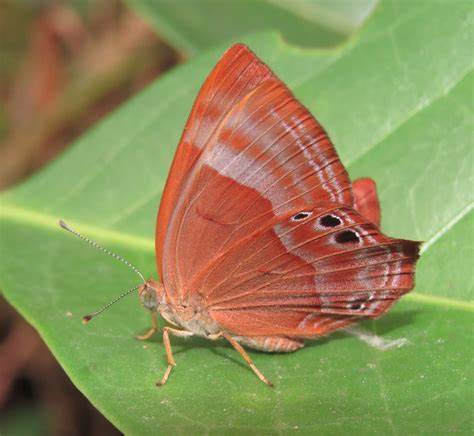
<point x="236" y="74"/>
<point x="266" y="156"/>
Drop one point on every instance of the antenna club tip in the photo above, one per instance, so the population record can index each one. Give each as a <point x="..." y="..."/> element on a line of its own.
<point x="86" y="319"/>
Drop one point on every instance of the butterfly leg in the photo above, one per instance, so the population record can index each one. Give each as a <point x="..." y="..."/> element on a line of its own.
<point x="243" y="353"/>
<point x="169" y="353"/>
<point x="151" y="331"/>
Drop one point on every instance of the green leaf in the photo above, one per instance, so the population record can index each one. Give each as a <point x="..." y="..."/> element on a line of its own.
<point x="197" y="25"/>
<point x="397" y="101"/>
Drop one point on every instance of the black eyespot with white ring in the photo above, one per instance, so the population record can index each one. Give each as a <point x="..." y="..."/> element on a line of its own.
<point x="347" y="237"/>
<point x="356" y="306"/>
<point x="300" y="216"/>
<point x="330" y="221"/>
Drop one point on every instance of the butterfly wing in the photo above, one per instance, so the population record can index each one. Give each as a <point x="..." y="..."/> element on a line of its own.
<point x="250" y="152"/>
<point x="235" y="76"/>
<point x="258" y="215"/>
<point x="366" y="201"/>
<point x="308" y="273"/>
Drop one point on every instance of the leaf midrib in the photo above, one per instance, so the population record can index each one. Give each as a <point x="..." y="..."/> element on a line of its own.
<point x="11" y="212"/>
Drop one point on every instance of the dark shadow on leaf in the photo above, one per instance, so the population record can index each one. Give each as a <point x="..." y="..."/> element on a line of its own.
<point x="391" y="322"/>
<point x="213" y="346"/>
<point x="382" y="327"/>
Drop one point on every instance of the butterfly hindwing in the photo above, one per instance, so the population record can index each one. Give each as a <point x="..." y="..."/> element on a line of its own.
<point x="326" y="265"/>
<point x="366" y="200"/>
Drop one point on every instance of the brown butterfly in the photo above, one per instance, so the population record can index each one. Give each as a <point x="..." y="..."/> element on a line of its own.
<point x="261" y="238"/>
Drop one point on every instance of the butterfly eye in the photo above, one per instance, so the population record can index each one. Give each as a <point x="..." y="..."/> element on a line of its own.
<point x="347" y="236"/>
<point x="301" y="216"/>
<point x="148" y="298"/>
<point x="330" y="221"/>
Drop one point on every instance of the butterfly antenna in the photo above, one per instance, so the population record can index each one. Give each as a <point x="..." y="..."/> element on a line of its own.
<point x="87" y="318"/>
<point x="104" y="250"/>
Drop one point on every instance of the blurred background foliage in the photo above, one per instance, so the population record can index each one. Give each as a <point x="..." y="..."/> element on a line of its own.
<point x="63" y="66"/>
<point x="203" y="23"/>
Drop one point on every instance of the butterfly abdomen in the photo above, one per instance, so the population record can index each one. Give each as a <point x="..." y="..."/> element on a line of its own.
<point x="271" y="344"/>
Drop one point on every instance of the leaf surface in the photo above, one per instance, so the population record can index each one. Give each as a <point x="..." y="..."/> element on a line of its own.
<point x="193" y="26"/>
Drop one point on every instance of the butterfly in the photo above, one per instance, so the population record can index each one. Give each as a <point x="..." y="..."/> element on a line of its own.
<point x="261" y="237"/>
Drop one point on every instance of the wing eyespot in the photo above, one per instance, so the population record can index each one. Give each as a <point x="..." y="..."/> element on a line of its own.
<point x="330" y="221"/>
<point x="356" y="306"/>
<point x="347" y="237"/>
<point x="300" y="216"/>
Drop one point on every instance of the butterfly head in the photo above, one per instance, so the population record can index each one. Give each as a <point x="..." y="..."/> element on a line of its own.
<point x="151" y="295"/>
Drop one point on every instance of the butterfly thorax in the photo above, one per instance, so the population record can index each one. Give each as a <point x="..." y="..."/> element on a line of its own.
<point x="190" y="315"/>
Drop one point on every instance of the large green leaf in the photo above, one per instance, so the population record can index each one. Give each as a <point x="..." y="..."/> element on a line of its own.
<point x="196" y="25"/>
<point x="397" y="100"/>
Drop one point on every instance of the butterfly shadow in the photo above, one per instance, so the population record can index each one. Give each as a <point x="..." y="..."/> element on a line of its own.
<point x="382" y="327"/>
<point x="378" y="328"/>
<point x="391" y="322"/>
<point x="216" y="347"/>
